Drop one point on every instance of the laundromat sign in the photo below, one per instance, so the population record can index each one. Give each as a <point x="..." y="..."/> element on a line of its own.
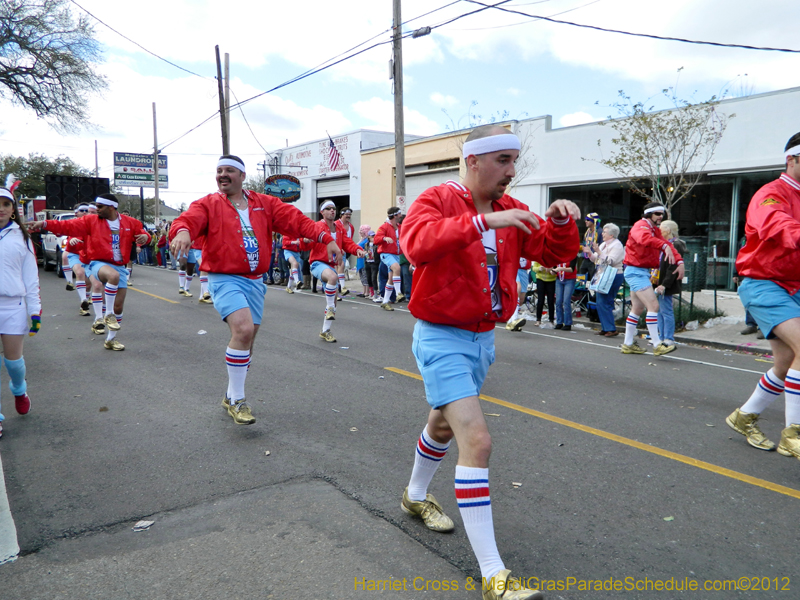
<point x="285" y="187"/>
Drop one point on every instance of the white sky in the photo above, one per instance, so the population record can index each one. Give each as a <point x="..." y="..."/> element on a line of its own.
<point x="502" y="62"/>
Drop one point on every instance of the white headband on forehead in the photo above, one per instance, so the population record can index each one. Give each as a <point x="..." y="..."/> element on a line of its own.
<point x="493" y="143"/>
<point x="230" y="162"/>
<point x="4" y="193"/>
<point x="653" y="209"/>
<point x="326" y="204"/>
<point x="106" y="201"/>
<point x="792" y="151"/>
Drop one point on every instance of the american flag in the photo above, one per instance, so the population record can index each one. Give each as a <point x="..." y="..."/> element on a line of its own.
<point x="333" y="156"/>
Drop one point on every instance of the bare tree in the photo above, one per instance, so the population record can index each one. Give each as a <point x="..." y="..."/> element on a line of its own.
<point x="663" y="155"/>
<point x="47" y="60"/>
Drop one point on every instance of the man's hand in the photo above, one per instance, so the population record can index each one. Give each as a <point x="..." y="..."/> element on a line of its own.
<point x="35" y="226"/>
<point x="388" y="240"/>
<point x="660" y="290"/>
<point x="142" y="238"/>
<point x="670" y="256"/>
<point x="680" y="271"/>
<point x="333" y="250"/>
<point x="513" y="217"/>
<point x="361" y="253"/>
<point x="74" y="241"/>
<point x="562" y="209"/>
<point x="180" y="244"/>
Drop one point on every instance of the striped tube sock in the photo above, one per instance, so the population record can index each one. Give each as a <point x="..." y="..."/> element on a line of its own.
<point x="475" y="505"/>
<point x="111" y="334"/>
<point x="396" y="283"/>
<point x="67" y="273"/>
<point x="295" y="277"/>
<point x="767" y="390"/>
<point x="330" y="295"/>
<point x="427" y="459"/>
<point x="203" y="284"/>
<point x="341" y="281"/>
<point x="181" y="278"/>
<point x="188" y="282"/>
<point x="80" y="286"/>
<point x="326" y="325"/>
<point x="516" y="312"/>
<point x="792" y="397"/>
<point x="387" y="292"/>
<point x="97" y="305"/>
<point x="630" y="328"/>
<point x="111" y="295"/>
<point x="652" y="327"/>
<point x="237" y="362"/>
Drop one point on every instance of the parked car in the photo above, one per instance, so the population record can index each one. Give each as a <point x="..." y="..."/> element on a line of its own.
<point x="53" y="246"/>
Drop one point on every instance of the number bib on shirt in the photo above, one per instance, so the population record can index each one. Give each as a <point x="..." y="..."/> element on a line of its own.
<point x="114" y="226"/>
<point x="490" y="246"/>
<point x="250" y="239"/>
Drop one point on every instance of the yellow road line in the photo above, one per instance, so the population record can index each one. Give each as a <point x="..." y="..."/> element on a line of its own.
<point x="781" y="489"/>
<point x="153" y="295"/>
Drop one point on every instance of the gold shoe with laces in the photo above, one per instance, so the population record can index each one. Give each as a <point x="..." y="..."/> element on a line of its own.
<point x="747" y="425"/>
<point x="429" y="510"/>
<point x="504" y="587"/>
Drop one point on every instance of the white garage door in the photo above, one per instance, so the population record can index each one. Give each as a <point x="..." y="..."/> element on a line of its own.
<point x="416" y="183"/>
<point x="333" y="188"/>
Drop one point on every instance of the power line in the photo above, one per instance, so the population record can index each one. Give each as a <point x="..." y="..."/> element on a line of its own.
<point x="136" y="43"/>
<point x="644" y="35"/>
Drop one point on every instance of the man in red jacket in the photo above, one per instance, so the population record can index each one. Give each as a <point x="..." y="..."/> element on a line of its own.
<point x="108" y="237"/>
<point x="349" y="230"/>
<point x="770" y="266"/>
<point x="466" y="242"/>
<point x="642" y="254"/>
<point x="238" y="226"/>
<point x="324" y="267"/>
<point x="388" y="242"/>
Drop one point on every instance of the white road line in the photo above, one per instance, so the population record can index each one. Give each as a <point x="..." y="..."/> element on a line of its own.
<point x="9" y="546"/>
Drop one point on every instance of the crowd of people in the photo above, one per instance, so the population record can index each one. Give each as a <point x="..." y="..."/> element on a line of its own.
<point x="471" y="249"/>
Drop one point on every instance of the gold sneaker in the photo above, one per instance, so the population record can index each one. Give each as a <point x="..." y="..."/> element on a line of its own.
<point x="386" y="306"/>
<point x="206" y="299"/>
<point x="746" y="424"/>
<point x="98" y="327"/>
<point x="515" y="324"/>
<point x="181" y="291"/>
<point x="790" y="441"/>
<point x="504" y="587"/>
<point x="330" y="314"/>
<point x="633" y="348"/>
<point x="83" y="313"/>
<point x="240" y="412"/>
<point x="289" y="290"/>
<point x="111" y="322"/>
<point x="400" y="298"/>
<point x="113" y="345"/>
<point x="327" y="336"/>
<point x="188" y="294"/>
<point x="662" y="349"/>
<point x="429" y="510"/>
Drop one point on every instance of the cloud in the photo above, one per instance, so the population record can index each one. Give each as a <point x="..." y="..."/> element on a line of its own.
<point x="577" y="118"/>
<point x="443" y="101"/>
<point x="381" y="113"/>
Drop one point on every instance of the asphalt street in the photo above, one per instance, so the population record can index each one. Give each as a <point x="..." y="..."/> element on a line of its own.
<point x="605" y="467"/>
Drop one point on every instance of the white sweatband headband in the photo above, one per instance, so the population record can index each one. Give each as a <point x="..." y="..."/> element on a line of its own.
<point x="106" y="201"/>
<point x="794" y="150"/>
<point x="4" y="193"/>
<point x="229" y="162"/>
<point x="653" y="209"/>
<point x="493" y="143"/>
<point x="326" y="204"/>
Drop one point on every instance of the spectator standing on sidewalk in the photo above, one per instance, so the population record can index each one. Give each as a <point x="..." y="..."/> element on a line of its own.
<point x="361" y="268"/>
<point x="466" y="241"/>
<point x="545" y="290"/>
<point x="769" y="264"/>
<point x="566" y="274"/>
<point x="642" y="254"/>
<point x="668" y="284"/>
<point x="20" y="303"/>
<point x="611" y="253"/>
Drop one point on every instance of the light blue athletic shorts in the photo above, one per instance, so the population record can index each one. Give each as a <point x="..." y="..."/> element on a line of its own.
<point x="198" y="254"/>
<point x="768" y="303"/>
<point x="523" y="278"/>
<point x="193" y="256"/>
<point x="234" y="292"/>
<point x="637" y="278"/>
<point x="453" y="362"/>
<point x="74" y="259"/>
<point x="93" y="267"/>
<point x="293" y="254"/>
<point x="389" y="259"/>
<point x="318" y="267"/>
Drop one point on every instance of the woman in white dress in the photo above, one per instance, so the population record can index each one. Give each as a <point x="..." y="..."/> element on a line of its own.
<point x="19" y="297"/>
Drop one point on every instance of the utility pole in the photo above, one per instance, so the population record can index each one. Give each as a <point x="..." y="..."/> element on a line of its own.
<point x="228" y="98"/>
<point x="96" y="166"/>
<point x="155" y="163"/>
<point x="222" y="112"/>
<point x="399" y="130"/>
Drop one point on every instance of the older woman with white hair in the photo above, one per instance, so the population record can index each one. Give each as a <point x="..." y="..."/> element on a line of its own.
<point x="610" y="253"/>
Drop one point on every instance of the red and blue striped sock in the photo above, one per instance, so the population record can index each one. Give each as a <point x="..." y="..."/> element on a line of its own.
<point x="768" y="389"/>
<point x="475" y="505"/>
<point x="237" y="362"/>
<point x="427" y="458"/>
<point x="111" y="295"/>
<point x="792" y="397"/>
<point x="652" y="327"/>
<point x="97" y="305"/>
<point x="80" y="286"/>
<point x="67" y="273"/>
<point x="330" y="295"/>
<point x="630" y="328"/>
